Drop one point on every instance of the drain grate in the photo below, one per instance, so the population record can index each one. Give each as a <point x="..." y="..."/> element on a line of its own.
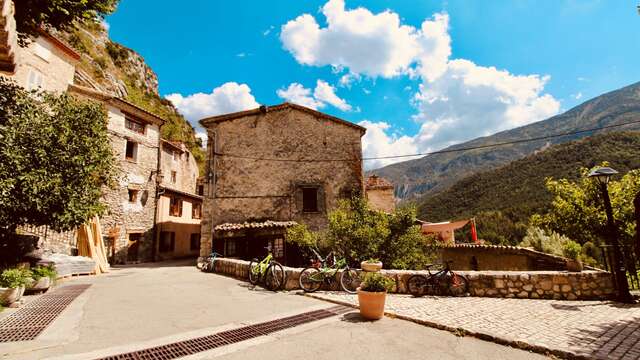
<point x="28" y="322"/>
<point x="204" y="343"/>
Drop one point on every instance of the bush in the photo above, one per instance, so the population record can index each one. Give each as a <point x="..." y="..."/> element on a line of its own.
<point x="572" y="250"/>
<point x="44" y="271"/>
<point x="376" y="282"/>
<point x="14" y="278"/>
<point x="117" y="52"/>
<point x="538" y="239"/>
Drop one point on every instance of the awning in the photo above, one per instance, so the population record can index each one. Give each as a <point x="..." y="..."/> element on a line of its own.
<point x="443" y="226"/>
<point x="255" y="225"/>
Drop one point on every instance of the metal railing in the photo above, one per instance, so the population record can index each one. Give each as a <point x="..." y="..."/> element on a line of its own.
<point x="629" y="261"/>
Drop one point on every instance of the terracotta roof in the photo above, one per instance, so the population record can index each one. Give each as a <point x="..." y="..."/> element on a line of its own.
<point x="120" y="103"/>
<point x="376" y="182"/>
<point x="283" y="106"/>
<point x="184" y="193"/>
<point x="255" y="225"/>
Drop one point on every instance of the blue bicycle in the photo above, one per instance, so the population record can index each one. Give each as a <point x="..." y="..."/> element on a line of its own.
<point x="210" y="262"/>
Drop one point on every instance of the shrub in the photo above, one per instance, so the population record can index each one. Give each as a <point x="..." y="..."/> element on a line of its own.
<point x="117" y="52"/>
<point x="44" y="271"/>
<point x="14" y="278"/>
<point x="538" y="239"/>
<point x="372" y="261"/>
<point x="572" y="250"/>
<point x="376" y="282"/>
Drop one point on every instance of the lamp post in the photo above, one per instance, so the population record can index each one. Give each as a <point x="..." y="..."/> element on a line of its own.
<point x="602" y="175"/>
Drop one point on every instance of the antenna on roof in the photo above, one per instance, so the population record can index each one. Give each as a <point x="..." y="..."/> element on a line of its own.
<point x="263" y="109"/>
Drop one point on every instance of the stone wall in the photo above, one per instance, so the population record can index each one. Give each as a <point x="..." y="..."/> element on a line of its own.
<point x="50" y="62"/>
<point x="504" y="258"/>
<point x="559" y="285"/>
<point x="245" y="189"/>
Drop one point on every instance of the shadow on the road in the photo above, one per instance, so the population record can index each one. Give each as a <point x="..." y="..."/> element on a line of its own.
<point x="354" y="317"/>
<point x="190" y="262"/>
<point x="610" y="340"/>
<point x="576" y="307"/>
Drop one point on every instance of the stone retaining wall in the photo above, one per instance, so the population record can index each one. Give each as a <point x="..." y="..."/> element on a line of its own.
<point x="559" y="285"/>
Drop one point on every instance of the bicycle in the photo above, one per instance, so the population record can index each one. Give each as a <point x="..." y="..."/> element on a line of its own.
<point x="312" y="278"/>
<point x="268" y="270"/>
<point x="443" y="282"/>
<point x="209" y="262"/>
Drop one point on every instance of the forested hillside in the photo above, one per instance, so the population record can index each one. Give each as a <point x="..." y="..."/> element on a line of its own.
<point x="435" y="173"/>
<point x="503" y="199"/>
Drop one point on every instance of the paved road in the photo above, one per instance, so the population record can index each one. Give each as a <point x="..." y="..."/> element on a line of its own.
<point x="138" y="307"/>
<point x="593" y="329"/>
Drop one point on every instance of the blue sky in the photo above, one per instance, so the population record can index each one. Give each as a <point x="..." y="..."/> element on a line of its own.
<point x="420" y="75"/>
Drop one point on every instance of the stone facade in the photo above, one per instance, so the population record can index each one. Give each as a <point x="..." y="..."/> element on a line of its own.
<point x="380" y="194"/>
<point x="505" y="258"/>
<point x="266" y="164"/>
<point x="178" y="226"/>
<point x="46" y="63"/>
<point x="558" y="285"/>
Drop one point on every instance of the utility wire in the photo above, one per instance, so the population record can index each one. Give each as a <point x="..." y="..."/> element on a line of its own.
<point x="445" y="151"/>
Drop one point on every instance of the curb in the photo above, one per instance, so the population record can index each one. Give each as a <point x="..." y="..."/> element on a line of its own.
<point x="463" y="332"/>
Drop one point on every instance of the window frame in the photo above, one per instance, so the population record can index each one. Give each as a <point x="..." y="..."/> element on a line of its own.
<point x="175" y="206"/>
<point x="133" y="192"/>
<point x="196" y="214"/>
<point x="316" y="208"/>
<point x="129" y="120"/>
<point x="134" y="156"/>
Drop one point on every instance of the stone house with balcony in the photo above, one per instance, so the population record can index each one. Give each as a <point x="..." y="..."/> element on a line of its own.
<point x="179" y="206"/>
<point x="271" y="167"/>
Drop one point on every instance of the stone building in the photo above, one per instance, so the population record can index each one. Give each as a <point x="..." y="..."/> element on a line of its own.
<point x="179" y="206"/>
<point x="135" y="138"/>
<point x="271" y="167"/>
<point x="380" y="194"/>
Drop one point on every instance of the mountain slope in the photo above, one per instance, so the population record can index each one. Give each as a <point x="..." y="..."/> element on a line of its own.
<point x="517" y="190"/>
<point x="435" y="173"/>
<point x="113" y="68"/>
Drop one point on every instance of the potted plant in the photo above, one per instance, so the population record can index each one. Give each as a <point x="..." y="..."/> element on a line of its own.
<point x="12" y="284"/>
<point x="571" y="251"/>
<point x="43" y="277"/>
<point x="372" y="294"/>
<point x="371" y="265"/>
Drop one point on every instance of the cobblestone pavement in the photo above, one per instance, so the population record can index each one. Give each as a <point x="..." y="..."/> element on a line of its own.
<point x="583" y="329"/>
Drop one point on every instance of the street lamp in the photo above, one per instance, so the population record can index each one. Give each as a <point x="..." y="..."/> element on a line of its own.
<point x="603" y="175"/>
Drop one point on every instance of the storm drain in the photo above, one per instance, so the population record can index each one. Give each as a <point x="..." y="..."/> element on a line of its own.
<point x="204" y="343"/>
<point x="28" y="322"/>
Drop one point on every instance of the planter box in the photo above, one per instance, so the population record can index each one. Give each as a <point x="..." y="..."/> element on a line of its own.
<point x="10" y="295"/>
<point x="371" y="267"/>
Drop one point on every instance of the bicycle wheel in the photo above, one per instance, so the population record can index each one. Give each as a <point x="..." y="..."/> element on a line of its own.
<point x="310" y="279"/>
<point x="350" y="280"/>
<point x="274" y="278"/>
<point x="254" y="271"/>
<point x="458" y="284"/>
<point x="417" y="285"/>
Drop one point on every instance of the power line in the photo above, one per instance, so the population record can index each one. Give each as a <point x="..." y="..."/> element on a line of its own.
<point x="445" y="151"/>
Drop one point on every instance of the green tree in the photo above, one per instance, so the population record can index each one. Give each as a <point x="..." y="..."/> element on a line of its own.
<point x="358" y="233"/>
<point x="577" y="208"/>
<point x="31" y="15"/>
<point x="54" y="160"/>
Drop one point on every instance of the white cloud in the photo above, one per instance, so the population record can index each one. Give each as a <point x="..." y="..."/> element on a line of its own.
<point x="322" y="95"/>
<point x="366" y="43"/>
<point x="203" y="137"/>
<point x="268" y="31"/>
<point x="227" y="98"/>
<point x="327" y="93"/>
<point x="577" y="96"/>
<point x="457" y="100"/>
<point x="377" y="143"/>
<point x="298" y="94"/>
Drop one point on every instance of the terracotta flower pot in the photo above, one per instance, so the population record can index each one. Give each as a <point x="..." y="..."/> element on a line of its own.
<point x="371" y="267"/>
<point x="10" y="295"/>
<point x="371" y="304"/>
<point x="574" y="265"/>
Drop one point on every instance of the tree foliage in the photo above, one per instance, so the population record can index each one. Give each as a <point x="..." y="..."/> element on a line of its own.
<point x="358" y="233"/>
<point x="54" y="160"/>
<point x="577" y="209"/>
<point x="31" y="15"/>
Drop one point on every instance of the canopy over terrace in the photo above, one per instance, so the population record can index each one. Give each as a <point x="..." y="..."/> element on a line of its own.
<point x="248" y="240"/>
<point x="446" y="230"/>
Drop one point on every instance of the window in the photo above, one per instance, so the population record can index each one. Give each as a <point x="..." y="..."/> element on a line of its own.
<point x="174" y="177"/>
<point x="310" y="199"/>
<point x="195" y="242"/>
<point x="231" y="247"/>
<point x="175" y="206"/>
<point x="133" y="195"/>
<point x="131" y="151"/>
<point x="134" y="125"/>
<point x="200" y="189"/>
<point x="278" y="248"/>
<point x="196" y="211"/>
<point x="167" y="241"/>
<point x="35" y="80"/>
